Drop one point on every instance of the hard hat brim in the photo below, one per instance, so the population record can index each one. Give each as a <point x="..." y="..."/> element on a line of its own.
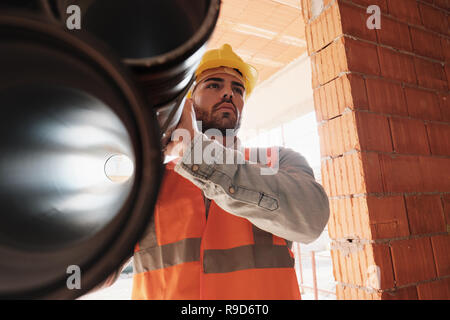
<point x="249" y="72"/>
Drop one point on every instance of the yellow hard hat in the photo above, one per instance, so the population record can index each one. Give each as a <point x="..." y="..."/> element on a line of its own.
<point x="225" y="57"/>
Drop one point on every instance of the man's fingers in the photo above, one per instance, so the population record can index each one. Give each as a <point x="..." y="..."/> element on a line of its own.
<point x="188" y="108"/>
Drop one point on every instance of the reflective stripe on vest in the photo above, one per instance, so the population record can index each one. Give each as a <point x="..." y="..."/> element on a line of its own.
<point x="262" y="254"/>
<point x="186" y="250"/>
<point x="246" y="257"/>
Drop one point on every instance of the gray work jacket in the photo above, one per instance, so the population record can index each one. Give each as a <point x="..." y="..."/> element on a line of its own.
<point x="287" y="201"/>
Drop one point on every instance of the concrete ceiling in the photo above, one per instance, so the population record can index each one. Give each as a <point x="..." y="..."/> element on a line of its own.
<point x="269" y="34"/>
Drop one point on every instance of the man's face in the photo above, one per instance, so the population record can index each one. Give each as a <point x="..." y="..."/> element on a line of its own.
<point x="218" y="102"/>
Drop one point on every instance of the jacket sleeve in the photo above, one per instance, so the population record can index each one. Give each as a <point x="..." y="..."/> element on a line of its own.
<point x="288" y="202"/>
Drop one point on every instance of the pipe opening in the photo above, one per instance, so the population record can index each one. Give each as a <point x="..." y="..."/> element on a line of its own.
<point x="53" y="188"/>
<point x="140" y="28"/>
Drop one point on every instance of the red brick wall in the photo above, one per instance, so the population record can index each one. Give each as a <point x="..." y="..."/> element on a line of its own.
<point x="383" y="107"/>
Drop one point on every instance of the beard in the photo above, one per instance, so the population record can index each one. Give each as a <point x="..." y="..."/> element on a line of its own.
<point x="226" y="122"/>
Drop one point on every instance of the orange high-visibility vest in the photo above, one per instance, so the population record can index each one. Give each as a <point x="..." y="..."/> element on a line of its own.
<point x="186" y="253"/>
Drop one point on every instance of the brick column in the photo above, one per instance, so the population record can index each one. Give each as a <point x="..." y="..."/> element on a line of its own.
<point x="382" y="104"/>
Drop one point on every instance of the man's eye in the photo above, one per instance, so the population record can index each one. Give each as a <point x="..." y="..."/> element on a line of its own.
<point x="238" y="90"/>
<point x="212" y="85"/>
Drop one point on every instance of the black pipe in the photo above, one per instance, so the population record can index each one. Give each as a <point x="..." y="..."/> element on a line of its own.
<point x="67" y="107"/>
<point x="70" y="100"/>
<point x="161" y="41"/>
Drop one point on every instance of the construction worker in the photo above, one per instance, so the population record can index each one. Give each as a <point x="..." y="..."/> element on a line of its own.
<point x="224" y="230"/>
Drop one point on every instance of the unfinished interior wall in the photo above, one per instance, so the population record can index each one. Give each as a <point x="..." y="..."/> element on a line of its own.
<point x="382" y="103"/>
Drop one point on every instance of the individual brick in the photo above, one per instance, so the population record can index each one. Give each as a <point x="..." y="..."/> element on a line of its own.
<point x="396" y="65"/>
<point x="362" y="57"/>
<point x="332" y="176"/>
<point x="318" y="40"/>
<point x="373" y="132"/>
<point x="435" y="290"/>
<point x="445" y="43"/>
<point x="359" y="205"/>
<point x="409" y="136"/>
<point x="373" y="182"/>
<point x="329" y="70"/>
<point x="394" y="33"/>
<point x="338" y="221"/>
<point x="349" y="218"/>
<point x="441" y="245"/>
<point x="425" y="214"/>
<point x="352" y="89"/>
<point x="331" y="225"/>
<point x="386" y="97"/>
<point x="412" y="260"/>
<point x="342" y="94"/>
<point x="382" y="259"/>
<point x="335" y="54"/>
<point x="326" y="179"/>
<point x="339" y="177"/>
<point x="357" y="172"/>
<point x="348" y="160"/>
<point x="353" y="20"/>
<point x="358" y="219"/>
<point x="317" y="105"/>
<point x="327" y="138"/>
<point x="332" y="19"/>
<point x="434" y="19"/>
<point x="345" y="173"/>
<point x="431" y="170"/>
<point x="322" y="24"/>
<point x="401" y="173"/>
<point x="320" y="129"/>
<point x="430" y="74"/>
<point x="335" y="21"/>
<point x="405" y="10"/>
<point x="330" y="94"/>
<point x="388" y="218"/>
<point x="422" y="104"/>
<point x="315" y="70"/>
<point x="352" y="224"/>
<point x="334" y="136"/>
<point x="439" y="137"/>
<point x="426" y="43"/>
<point x="349" y="131"/>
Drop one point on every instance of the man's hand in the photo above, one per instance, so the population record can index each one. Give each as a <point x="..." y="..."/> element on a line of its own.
<point x="184" y="132"/>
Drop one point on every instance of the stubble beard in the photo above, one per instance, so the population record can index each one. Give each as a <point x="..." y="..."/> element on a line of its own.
<point x="215" y="120"/>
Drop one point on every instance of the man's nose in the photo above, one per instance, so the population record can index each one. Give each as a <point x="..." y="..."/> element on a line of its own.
<point x="227" y="92"/>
